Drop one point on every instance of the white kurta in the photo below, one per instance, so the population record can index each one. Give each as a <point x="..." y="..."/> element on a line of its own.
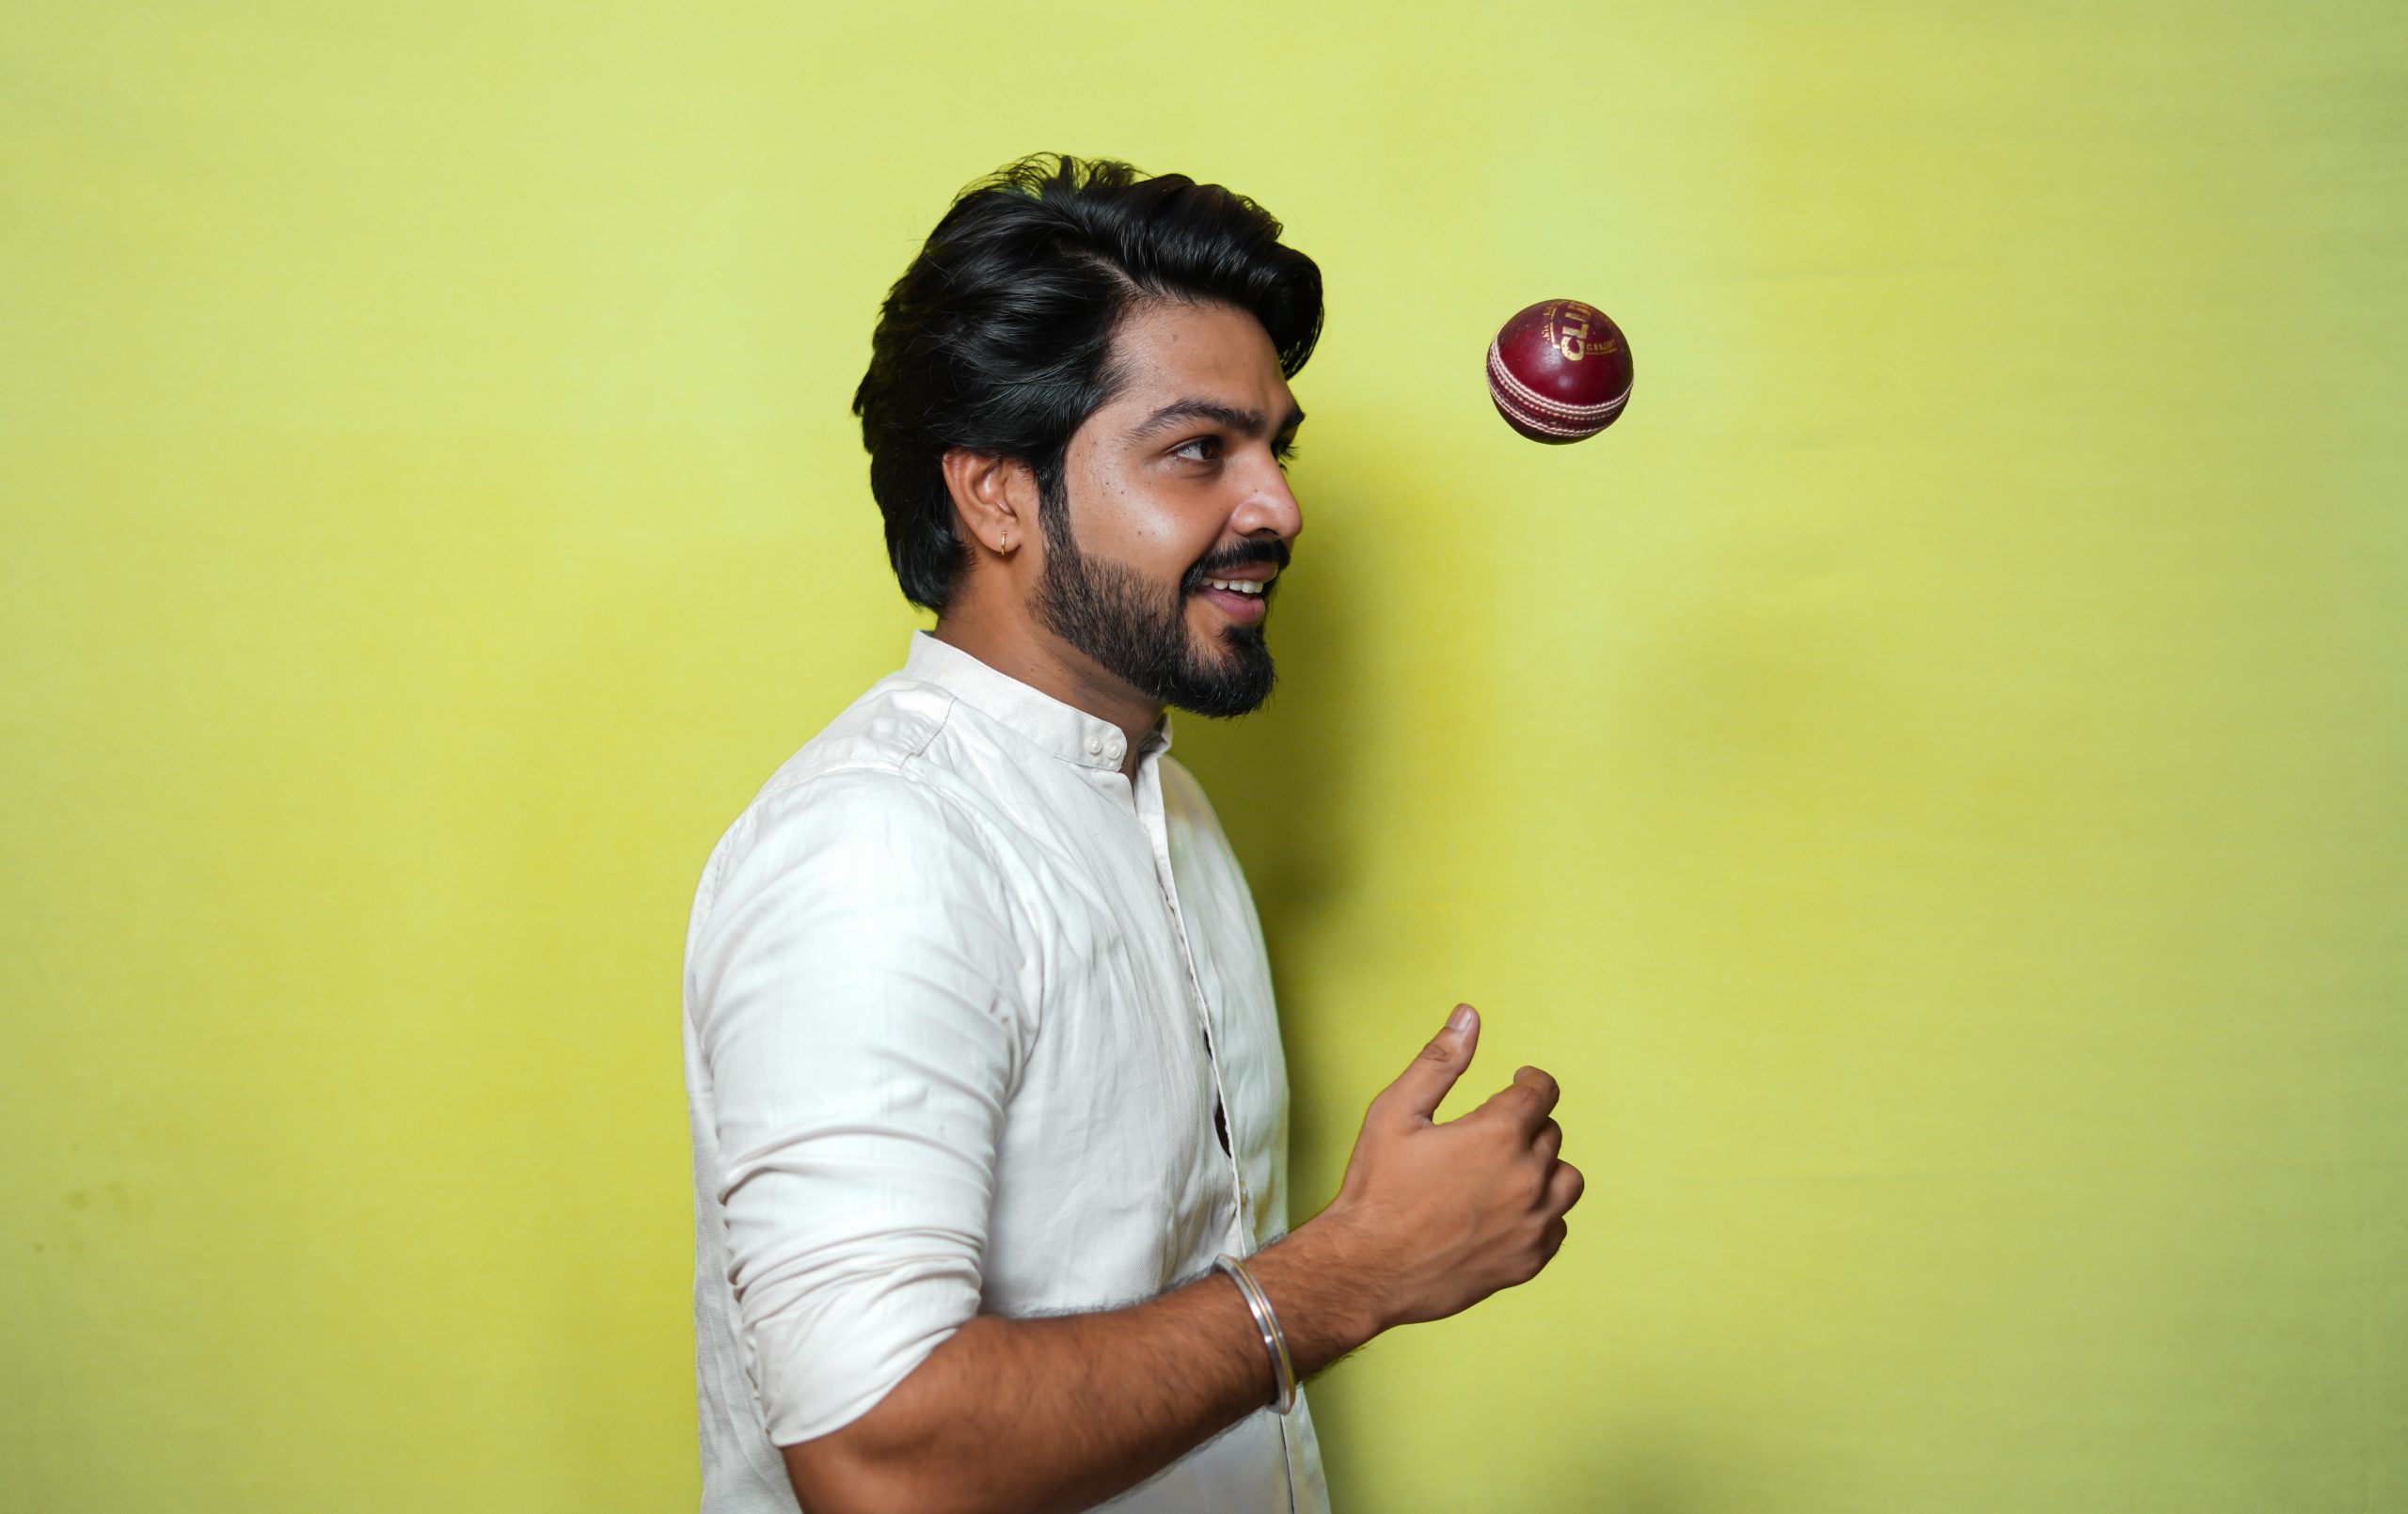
<point x="959" y="999"/>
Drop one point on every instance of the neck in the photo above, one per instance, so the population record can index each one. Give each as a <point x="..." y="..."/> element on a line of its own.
<point x="1050" y="666"/>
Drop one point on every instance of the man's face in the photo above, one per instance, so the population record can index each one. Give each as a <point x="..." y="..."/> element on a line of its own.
<point x="1179" y="481"/>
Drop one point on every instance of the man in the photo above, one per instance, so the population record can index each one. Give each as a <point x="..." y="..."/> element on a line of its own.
<point x="985" y="1075"/>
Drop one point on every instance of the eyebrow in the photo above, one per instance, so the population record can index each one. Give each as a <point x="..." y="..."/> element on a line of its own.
<point x="1246" y="422"/>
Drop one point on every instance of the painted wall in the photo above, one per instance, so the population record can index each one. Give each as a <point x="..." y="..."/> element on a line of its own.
<point x="1929" y="780"/>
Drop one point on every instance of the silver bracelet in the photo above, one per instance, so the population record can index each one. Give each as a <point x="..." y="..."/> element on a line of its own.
<point x="1259" y="1303"/>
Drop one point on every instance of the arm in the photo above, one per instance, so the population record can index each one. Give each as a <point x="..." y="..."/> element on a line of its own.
<point x="1060" y="1413"/>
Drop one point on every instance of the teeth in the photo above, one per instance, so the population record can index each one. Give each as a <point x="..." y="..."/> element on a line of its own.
<point x="1235" y="586"/>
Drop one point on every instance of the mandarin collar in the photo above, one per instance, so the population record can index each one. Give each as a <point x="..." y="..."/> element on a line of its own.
<point x="1063" y="731"/>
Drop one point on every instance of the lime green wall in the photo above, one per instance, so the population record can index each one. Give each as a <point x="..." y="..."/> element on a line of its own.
<point x="1929" y="780"/>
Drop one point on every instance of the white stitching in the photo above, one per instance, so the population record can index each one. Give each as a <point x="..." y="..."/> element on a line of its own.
<point x="1499" y="374"/>
<point x="1535" y="423"/>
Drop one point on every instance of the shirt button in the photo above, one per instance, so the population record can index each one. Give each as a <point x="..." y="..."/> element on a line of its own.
<point x="1095" y="745"/>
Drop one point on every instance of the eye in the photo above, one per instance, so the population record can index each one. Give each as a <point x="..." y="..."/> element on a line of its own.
<point x="1202" y="448"/>
<point x="1284" y="452"/>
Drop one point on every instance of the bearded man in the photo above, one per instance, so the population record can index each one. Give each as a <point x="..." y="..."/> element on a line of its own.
<point x="989" y="1104"/>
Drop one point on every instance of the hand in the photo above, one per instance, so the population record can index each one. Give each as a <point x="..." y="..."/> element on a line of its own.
<point x="1436" y="1218"/>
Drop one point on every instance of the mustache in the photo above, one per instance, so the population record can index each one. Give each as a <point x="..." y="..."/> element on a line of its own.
<point x="1245" y="554"/>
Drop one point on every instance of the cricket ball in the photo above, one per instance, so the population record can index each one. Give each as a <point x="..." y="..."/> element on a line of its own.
<point x="1559" y="372"/>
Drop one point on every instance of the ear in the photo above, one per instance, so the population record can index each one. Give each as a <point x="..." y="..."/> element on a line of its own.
<point x="995" y="499"/>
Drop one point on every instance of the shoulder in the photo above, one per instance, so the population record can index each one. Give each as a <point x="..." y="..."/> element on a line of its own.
<point x="858" y="798"/>
<point x="870" y="765"/>
<point x="854" y="869"/>
<point x="883" y="826"/>
<point x="885" y="730"/>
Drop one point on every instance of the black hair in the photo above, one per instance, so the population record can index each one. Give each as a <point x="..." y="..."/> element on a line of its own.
<point x="996" y="336"/>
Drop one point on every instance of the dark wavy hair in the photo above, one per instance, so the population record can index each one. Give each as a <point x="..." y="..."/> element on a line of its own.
<point x="996" y="338"/>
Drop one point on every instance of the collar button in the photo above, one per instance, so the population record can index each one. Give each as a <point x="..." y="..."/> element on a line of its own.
<point x="1095" y="745"/>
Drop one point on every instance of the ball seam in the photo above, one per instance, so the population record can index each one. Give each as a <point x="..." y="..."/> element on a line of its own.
<point x="1562" y="409"/>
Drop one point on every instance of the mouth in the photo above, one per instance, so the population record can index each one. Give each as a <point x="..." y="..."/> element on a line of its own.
<point x="1240" y="599"/>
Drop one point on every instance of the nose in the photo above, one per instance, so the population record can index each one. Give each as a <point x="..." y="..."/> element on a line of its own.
<point x="1271" y="505"/>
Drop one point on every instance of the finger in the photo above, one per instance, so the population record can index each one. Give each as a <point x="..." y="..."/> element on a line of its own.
<point x="1526" y="1101"/>
<point x="1551" y="1239"/>
<point x="1564" y="1187"/>
<point x="1418" y="1091"/>
<point x="1548" y="1142"/>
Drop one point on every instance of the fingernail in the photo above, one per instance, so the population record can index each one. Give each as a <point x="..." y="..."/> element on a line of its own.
<point x="1461" y="1020"/>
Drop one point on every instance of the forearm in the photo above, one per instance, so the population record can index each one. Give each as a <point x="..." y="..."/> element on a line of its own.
<point x="1063" y="1412"/>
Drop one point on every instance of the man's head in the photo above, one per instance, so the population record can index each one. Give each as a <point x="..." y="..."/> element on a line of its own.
<point x="1077" y="414"/>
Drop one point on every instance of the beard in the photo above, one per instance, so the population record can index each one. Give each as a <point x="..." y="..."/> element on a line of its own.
<point x="1137" y="631"/>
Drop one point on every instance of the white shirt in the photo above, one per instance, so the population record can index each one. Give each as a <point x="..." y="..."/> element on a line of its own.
<point x="959" y="997"/>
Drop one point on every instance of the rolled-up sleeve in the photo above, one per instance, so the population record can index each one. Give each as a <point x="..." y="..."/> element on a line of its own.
<point x="857" y="1008"/>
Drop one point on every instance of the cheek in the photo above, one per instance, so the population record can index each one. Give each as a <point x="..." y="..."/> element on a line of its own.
<point x="1164" y="538"/>
<point x="1150" y="525"/>
<point x="1159" y="542"/>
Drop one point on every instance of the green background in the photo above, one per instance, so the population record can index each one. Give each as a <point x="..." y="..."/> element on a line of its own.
<point x="1929" y="780"/>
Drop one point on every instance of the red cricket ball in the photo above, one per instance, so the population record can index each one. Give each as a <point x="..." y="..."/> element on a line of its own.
<point x="1559" y="372"/>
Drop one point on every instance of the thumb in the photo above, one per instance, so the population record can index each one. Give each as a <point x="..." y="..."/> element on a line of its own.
<point x="1417" y="1092"/>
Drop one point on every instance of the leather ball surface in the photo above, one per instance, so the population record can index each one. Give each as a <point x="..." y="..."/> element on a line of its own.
<point x="1559" y="372"/>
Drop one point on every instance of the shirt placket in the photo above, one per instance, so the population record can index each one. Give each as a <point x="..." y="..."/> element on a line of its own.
<point x="1149" y="813"/>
